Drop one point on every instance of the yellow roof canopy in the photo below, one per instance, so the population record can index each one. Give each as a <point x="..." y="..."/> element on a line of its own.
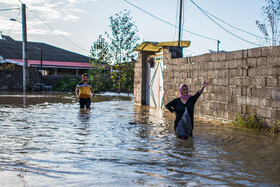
<point x="158" y="46"/>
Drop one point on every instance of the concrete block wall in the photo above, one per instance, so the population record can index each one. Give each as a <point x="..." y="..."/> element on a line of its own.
<point x="241" y="82"/>
<point x="140" y="78"/>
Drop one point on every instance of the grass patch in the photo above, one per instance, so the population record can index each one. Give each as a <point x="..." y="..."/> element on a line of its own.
<point x="249" y="121"/>
<point x="276" y="127"/>
<point x="253" y="122"/>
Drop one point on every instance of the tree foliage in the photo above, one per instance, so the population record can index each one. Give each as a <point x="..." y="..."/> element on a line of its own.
<point x="99" y="77"/>
<point x="270" y="26"/>
<point x="124" y="37"/>
<point x="118" y="51"/>
<point x="100" y="50"/>
<point x="100" y="58"/>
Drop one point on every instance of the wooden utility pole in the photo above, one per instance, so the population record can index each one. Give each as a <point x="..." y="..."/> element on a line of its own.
<point x="180" y="20"/>
<point x="25" y="72"/>
<point x="41" y="68"/>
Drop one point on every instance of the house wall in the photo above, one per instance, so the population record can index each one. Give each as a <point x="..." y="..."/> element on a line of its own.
<point x="241" y="82"/>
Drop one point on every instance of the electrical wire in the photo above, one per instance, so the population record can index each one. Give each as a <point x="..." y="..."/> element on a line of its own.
<point x="13" y="23"/>
<point x="168" y="22"/>
<point x="56" y="31"/>
<point x="234" y="26"/>
<point x="176" y="22"/>
<point x="224" y="28"/>
<point x="9" y="9"/>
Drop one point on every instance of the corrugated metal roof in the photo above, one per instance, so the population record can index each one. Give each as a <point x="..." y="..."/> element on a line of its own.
<point x="11" y="51"/>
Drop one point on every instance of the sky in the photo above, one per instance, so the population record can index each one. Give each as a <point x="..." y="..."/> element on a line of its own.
<point x="75" y="25"/>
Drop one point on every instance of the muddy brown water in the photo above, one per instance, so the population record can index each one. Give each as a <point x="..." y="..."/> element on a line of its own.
<point x="47" y="141"/>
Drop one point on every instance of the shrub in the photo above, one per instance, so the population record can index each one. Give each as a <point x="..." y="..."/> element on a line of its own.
<point x="276" y="127"/>
<point x="249" y="121"/>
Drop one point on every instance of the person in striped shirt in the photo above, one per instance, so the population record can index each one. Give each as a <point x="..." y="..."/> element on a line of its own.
<point x="84" y="92"/>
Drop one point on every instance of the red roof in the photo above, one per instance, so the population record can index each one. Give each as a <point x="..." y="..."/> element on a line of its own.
<point x="55" y="63"/>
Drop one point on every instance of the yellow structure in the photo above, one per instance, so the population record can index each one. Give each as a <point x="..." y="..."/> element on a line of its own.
<point x="158" y="46"/>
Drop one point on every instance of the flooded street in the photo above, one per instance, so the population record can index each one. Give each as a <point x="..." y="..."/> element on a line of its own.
<point x="47" y="141"/>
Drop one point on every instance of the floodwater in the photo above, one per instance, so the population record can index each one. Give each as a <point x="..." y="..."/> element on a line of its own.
<point x="47" y="141"/>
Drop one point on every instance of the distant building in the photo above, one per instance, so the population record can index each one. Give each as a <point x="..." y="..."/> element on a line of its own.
<point x="54" y="60"/>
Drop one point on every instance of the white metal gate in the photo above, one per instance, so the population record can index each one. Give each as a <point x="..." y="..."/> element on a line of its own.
<point x="156" y="88"/>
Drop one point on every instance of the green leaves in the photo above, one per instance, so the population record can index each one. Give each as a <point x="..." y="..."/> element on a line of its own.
<point x="117" y="52"/>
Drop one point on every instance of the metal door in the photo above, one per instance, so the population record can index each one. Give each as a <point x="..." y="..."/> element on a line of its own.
<point x="156" y="85"/>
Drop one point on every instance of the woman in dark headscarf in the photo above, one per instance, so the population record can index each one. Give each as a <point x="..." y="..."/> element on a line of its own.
<point x="177" y="106"/>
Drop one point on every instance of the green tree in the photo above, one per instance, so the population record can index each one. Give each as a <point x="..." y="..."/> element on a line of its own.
<point x="270" y="24"/>
<point x="100" y="50"/>
<point x="100" y="58"/>
<point x="124" y="37"/>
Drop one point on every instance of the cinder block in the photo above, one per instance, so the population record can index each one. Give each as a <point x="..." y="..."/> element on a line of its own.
<point x="271" y="82"/>
<point x="229" y="55"/>
<point x="255" y="52"/>
<point x="275" y="51"/>
<point x="275" y="114"/>
<point x="264" y="112"/>
<point x="262" y="61"/>
<point x="235" y="72"/>
<point x="241" y="100"/>
<point x="236" y="91"/>
<point x="236" y="108"/>
<point x="256" y="101"/>
<point x="238" y="54"/>
<point x="221" y="56"/>
<point x="271" y="71"/>
<point x="224" y="65"/>
<point x="267" y="51"/>
<point x="273" y="103"/>
<point x="252" y="62"/>
<point x="207" y="57"/>
<point x="273" y="62"/>
<point x="242" y="63"/>
<point x="233" y="64"/>
<point x="252" y="72"/>
<point x="275" y="93"/>
<point x="261" y="82"/>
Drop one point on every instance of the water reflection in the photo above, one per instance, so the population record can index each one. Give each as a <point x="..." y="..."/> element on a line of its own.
<point x="48" y="140"/>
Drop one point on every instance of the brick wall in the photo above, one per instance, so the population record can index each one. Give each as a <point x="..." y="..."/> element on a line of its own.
<point x="241" y="82"/>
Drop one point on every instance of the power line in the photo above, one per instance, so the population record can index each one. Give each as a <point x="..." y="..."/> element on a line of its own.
<point x="234" y="26"/>
<point x="168" y="22"/>
<point x="13" y="23"/>
<point x="224" y="28"/>
<point x="57" y="32"/>
<point x="176" y="21"/>
<point x="54" y="29"/>
<point x="7" y="9"/>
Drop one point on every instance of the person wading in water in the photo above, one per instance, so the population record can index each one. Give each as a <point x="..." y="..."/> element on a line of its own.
<point x="183" y="108"/>
<point x="84" y="92"/>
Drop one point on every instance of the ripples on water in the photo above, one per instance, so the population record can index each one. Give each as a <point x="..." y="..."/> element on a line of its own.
<point x="47" y="141"/>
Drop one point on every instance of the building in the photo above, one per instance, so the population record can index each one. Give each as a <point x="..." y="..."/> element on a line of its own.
<point x="50" y="59"/>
